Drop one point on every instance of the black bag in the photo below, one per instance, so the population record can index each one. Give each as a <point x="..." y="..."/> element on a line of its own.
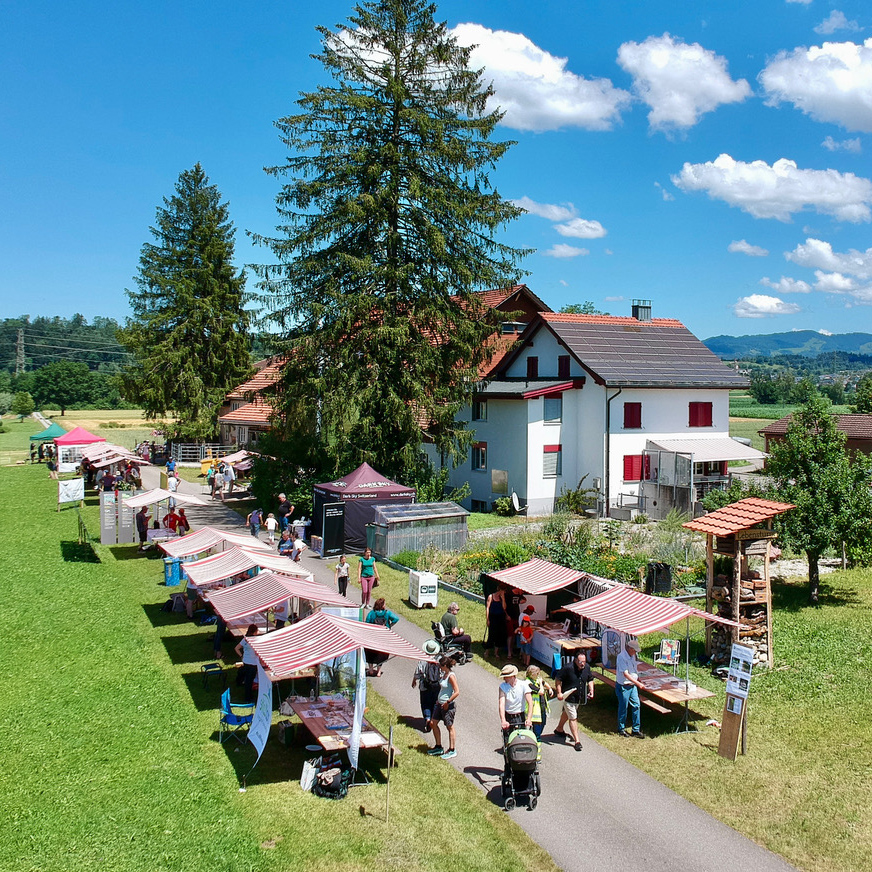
<point x="432" y="676"/>
<point x="332" y="783"/>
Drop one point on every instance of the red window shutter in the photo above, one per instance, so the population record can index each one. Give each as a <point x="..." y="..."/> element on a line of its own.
<point x="700" y="415"/>
<point x="632" y="467"/>
<point x="632" y="416"/>
<point x="552" y="449"/>
<point x="563" y="366"/>
<point x="532" y="367"/>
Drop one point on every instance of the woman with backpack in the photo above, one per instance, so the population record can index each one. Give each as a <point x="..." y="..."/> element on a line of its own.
<point x="385" y="618"/>
<point x="426" y="678"/>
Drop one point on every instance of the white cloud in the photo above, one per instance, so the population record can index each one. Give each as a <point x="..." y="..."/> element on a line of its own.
<point x="834" y="283"/>
<point x="832" y="82"/>
<point x="762" y="306"/>
<point x="551" y="211"/>
<point x="581" y="228"/>
<point x="779" y="190"/>
<point x="786" y="285"/>
<point x="564" y="283"/>
<point x="680" y="82"/>
<point x="851" y="145"/>
<point x="803" y="2"/>
<point x="609" y="251"/>
<point x="618" y="299"/>
<point x="825" y="332"/>
<point x="664" y="193"/>
<point x="817" y="254"/>
<point x="534" y="88"/>
<point x="562" y="250"/>
<point x="836" y="21"/>
<point x="741" y="246"/>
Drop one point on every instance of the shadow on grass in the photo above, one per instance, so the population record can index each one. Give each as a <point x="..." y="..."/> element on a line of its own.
<point x="128" y="552"/>
<point x="159" y="618"/>
<point x="208" y="696"/>
<point x="79" y="552"/>
<point x="793" y="597"/>
<point x="190" y="648"/>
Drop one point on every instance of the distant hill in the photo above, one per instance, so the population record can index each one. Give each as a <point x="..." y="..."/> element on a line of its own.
<point x="807" y="343"/>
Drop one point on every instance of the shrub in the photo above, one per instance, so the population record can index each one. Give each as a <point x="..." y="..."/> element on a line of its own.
<point x="557" y="526"/>
<point x="407" y="558"/>
<point x="504" y="508"/>
<point x="673" y="522"/>
<point x="640" y="519"/>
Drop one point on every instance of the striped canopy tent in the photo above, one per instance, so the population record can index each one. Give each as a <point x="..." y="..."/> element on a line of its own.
<point x="101" y="449"/>
<point x="114" y="457"/>
<point x="207" y="538"/>
<point x="537" y="576"/>
<point x="220" y="567"/>
<point x="266" y="591"/>
<point x="630" y="611"/>
<point x="322" y="637"/>
<point x="158" y="495"/>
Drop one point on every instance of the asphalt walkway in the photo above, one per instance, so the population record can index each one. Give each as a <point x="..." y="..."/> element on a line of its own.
<point x="596" y="811"/>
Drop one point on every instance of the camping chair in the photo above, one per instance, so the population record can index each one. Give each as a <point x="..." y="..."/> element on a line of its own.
<point x="234" y="716"/>
<point x="669" y="654"/>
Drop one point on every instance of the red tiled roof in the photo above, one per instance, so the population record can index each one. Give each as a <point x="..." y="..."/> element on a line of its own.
<point x="258" y="412"/>
<point x="613" y="320"/>
<point x="496" y="296"/>
<point x="853" y="426"/>
<point x="264" y="378"/>
<point x="738" y="516"/>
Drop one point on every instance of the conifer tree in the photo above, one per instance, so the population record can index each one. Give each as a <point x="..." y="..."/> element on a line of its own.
<point x="189" y="329"/>
<point x="388" y="224"/>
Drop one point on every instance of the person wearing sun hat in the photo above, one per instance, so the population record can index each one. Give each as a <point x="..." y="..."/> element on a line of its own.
<point x="515" y="699"/>
<point x="627" y="688"/>
<point x="426" y="679"/>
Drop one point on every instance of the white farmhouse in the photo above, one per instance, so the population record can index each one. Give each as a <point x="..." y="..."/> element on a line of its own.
<point x="637" y="405"/>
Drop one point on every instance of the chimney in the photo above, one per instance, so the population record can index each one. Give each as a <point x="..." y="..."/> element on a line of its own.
<point x="642" y="310"/>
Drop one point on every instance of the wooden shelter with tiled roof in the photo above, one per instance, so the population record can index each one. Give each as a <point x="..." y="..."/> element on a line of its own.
<point x="857" y="428"/>
<point x="740" y="531"/>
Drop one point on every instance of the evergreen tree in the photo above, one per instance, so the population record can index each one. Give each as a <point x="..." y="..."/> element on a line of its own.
<point x="811" y="469"/>
<point x="188" y="333"/>
<point x="863" y="396"/>
<point x="388" y="223"/>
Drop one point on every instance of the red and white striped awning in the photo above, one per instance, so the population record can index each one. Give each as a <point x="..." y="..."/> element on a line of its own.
<point x="207" y="538"/>
<point x="537" y="576"/>
<point x="219" y="567"/>
<point x="158" y="495"/>
<point x="322" y="637"/>
<point x="630" y="611"/>
<point x="267" y="590"/>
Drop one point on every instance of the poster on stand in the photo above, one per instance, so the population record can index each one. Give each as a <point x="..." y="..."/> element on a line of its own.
<point x="739" y="676"/>
<point x="71" y="491"/>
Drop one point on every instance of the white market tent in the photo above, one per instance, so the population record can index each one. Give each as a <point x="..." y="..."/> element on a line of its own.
<point x="158" y="495"/>
<point x="207" y="538"/>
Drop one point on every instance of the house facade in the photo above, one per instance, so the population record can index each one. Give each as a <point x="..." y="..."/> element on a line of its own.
<point x="246" y="414"/>
<point x="636" y="406"/>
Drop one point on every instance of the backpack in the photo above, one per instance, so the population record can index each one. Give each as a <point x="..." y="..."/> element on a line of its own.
<point x="432" y="676"/>
<point x="380" y="619"/>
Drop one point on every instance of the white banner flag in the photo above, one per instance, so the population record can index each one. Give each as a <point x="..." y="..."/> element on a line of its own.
<point x="258" y="732"/>
<point x="71" y="491"/>
<point x="359" y="706"/>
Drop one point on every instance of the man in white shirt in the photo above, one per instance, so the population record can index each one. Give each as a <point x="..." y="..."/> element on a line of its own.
<point x="515" y="700"/>
<point x="172" y="487"/>
<point x="627" y="688"/>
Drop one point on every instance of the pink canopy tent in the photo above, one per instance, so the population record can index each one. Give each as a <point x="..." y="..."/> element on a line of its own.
<point x="537" y="576"/>
<point x="78" y="436"/>
<point x="630" y="611"/>
<point x="207" y="538"/>
<point x="322" y="637"/>
<point x="223" y="566"/>
<point x="267" y="590"/>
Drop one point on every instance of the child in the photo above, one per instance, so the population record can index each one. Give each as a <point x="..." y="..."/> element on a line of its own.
<point x="271" y="527"/>
<point x="525" y="639"/>
<point x="540" y="691"/>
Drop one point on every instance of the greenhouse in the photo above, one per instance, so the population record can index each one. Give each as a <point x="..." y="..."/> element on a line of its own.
<point x="412" y="527"/>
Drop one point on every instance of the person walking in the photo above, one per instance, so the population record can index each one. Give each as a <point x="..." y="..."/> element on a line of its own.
<point x="540" y="691"/>
<point x="271" y="527"/>
<point x="445" y="710"/>
<point x="367" y="576"/>
<point x="384" y="617"/>
<point x="184" y="524"/>
<point x="427" y="676"/>
<point x="253" y="520"/>
<point x="627" y="688"/>
<point x="284" y="511"/>
<point x="574" y="687"/>
<point x="343" y="568"/>
<point x="515" y="701"/>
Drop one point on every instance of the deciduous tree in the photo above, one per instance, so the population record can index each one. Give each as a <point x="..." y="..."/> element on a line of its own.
<point x="22" y="404"/>
<point x="62" y="384"/>
<point x="388" y="223"/>
<point x="189" y="327"/>
<point x="812" y="470"/>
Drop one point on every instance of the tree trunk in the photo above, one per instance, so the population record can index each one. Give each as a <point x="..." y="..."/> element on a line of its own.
<point x="813" y="578"/>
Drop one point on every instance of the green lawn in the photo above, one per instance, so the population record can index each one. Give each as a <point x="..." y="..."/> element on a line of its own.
<point x="804" y="789"/>
<point x="111" y="758"/>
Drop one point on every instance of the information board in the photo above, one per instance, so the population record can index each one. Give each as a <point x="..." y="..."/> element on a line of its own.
<point x="333" y="529"/>
<point x="736" y="703"/>
<point x="108" y="522"/>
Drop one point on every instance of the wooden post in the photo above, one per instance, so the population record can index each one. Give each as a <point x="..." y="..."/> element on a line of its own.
<point x="390" y="767"/>
<point x="709" y="585"/>
<point x="736" y="588"/>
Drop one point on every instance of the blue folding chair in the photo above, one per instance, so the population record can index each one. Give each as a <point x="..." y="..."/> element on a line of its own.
<point x="236" y="717"/>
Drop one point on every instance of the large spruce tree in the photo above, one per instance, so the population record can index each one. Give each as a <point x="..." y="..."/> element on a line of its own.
<point x="189" y="327"/>
<point x="388" y="225"/>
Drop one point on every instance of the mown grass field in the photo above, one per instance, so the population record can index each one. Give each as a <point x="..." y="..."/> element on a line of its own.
<point x="111" y="759"/>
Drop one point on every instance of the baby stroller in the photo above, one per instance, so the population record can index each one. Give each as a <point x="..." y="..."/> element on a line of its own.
<point x="447" y="646"/>
<point x="521" y="771"/>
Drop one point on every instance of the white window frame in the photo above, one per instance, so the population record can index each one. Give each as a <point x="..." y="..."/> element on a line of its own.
<point x="559" y="419"/>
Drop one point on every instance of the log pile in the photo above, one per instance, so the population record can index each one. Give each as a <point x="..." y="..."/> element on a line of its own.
<point x="756" y="637"/>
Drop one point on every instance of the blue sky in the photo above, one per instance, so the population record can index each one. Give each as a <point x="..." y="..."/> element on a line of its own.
<point x="712" y="157"/>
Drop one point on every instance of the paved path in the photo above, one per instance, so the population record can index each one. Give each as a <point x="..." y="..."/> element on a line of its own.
<point x="596" y="810"/>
